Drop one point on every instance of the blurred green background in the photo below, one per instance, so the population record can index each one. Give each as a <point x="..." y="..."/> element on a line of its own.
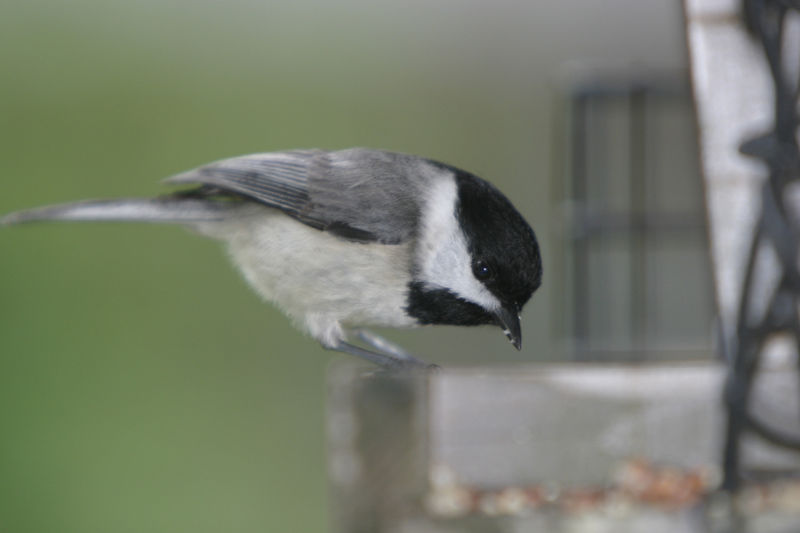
<point x="143" y="387"/>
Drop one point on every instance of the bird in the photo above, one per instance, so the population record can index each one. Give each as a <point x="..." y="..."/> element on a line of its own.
<point x="345" y="240"/>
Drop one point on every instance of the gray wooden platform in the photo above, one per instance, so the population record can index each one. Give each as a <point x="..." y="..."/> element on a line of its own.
<point x="567" y="448"/>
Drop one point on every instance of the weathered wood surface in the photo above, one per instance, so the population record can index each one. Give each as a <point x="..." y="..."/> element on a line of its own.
<point x="544" y="448"/>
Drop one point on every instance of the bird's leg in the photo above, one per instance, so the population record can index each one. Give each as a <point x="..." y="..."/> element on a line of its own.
<point x="388" y="360"/>
<point x="383" y="345"/>
<point x="386" y="346"/>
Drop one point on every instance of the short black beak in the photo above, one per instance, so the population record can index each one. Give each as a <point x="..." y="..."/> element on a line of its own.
<point x="508" y="319"/>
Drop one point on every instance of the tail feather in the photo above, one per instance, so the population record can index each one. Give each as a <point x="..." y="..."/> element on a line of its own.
<point x="167" y="209"/>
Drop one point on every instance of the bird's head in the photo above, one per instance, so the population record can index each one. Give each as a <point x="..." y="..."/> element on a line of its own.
<point x="477" y="259"/>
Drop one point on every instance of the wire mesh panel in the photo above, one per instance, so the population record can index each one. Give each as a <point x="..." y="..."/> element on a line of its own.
<point x="638" y="278"/>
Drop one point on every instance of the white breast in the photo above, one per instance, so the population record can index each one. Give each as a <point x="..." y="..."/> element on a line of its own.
<point x="320" y="281"/>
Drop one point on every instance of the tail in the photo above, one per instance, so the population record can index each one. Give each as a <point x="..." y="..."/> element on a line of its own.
<point x="165" y="209"/>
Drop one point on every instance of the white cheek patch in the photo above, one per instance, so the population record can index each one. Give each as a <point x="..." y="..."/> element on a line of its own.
<point x="442" y="254"/>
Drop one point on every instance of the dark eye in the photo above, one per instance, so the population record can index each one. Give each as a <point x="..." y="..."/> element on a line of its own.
<point x="482" y="271"/>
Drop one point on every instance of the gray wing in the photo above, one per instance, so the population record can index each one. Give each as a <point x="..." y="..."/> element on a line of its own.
<point x="359" y="194"/>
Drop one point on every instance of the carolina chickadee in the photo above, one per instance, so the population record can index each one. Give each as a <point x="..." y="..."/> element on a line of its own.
<point x="355" y="237"/>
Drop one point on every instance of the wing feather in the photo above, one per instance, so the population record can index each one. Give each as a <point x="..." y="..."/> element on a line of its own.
<point x="358" y="194"/>
<point x="278" y="179"/>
